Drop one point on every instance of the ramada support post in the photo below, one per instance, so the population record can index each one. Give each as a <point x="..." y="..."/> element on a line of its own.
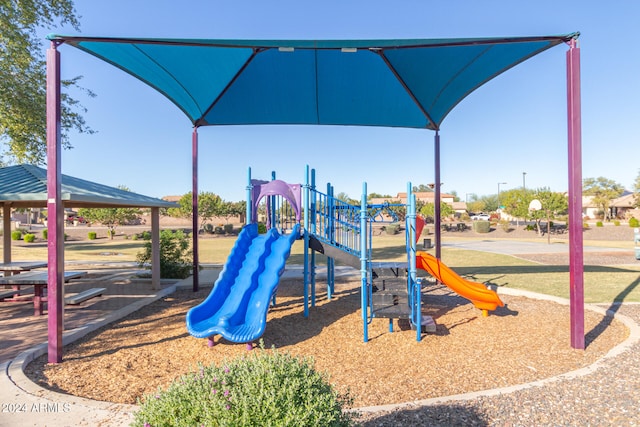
<point x="576" y="261"/>
<point x="194" y="201"/>
<point x="155" y="248"/>
<point x="6" y="232"/>
<point x="55" y="239"/>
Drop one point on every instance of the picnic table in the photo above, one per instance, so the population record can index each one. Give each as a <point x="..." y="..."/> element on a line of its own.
<point x="39" y="281"/>
<point x="16" y="267"/>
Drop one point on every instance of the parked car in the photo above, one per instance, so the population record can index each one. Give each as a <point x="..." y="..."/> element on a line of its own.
<point x="481" y="217"/>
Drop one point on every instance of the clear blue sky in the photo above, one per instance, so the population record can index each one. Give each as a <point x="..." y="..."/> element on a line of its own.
<point x="516" y="123"/>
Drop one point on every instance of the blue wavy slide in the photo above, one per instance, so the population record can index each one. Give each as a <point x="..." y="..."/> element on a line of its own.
<point x="237" y="306"/>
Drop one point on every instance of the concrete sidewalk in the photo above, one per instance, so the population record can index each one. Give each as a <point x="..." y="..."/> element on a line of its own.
<point x="516" y="247"/>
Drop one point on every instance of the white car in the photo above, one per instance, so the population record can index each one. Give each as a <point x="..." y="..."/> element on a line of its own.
<point x="481" y="217"/>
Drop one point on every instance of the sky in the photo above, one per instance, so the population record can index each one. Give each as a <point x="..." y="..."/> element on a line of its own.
<point x="510" y="131"/>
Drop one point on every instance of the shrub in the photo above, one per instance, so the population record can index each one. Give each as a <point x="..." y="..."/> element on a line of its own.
<point x="92" y="235"/>
<point x="262" y="228"/>
<point x="481" y="226"/>
<point x="134" y="237"/>
<point x="265" y="388"/>
<point x="146" y="235"/>
<point x="208" y="228"/>
<point x="585" y="225"/>
<point x="616" y="223"/>
<point x="218" y="230"/>
<point x="45" y="234"/>
<point x="16" y="235"/>
<point x="505" y="225"/>
<point x="228" y="228"/>
<point x="29" y="237"/>
<point x="599" y="224"/>
<point x="393" y="228"/>
<point x="175" y="255"/>
<point x="633" y="222"/>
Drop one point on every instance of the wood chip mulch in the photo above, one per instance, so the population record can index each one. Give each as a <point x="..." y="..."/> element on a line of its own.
<point x="527" y="340"/>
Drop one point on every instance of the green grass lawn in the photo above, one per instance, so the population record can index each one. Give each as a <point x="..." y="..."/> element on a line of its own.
<point x="601" y="283"/>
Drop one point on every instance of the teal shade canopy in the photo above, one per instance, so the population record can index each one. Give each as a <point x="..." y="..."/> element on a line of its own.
<point x="396" y="83"/>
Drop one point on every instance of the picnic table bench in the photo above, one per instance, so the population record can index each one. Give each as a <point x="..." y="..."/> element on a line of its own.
<point x="39" y="281"/>
<point x="83" y="296"/>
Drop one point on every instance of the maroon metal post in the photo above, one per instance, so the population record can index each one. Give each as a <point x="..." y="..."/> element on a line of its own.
<point x="576" y="260"/>
<point x="436" y="200"/>
<point x="194" y="201"/>
<point x="55" y="239"/>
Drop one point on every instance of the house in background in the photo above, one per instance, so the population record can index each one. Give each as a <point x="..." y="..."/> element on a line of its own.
<point x="622" y="207"/>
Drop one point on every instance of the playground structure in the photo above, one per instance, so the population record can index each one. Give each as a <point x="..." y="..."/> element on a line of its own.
<point x="237" y="306"/>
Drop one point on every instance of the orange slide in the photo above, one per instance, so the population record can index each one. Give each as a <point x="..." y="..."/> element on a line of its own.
<point x="483" y="298"/>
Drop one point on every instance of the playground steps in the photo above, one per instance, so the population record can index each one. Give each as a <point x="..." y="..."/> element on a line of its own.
<point x="390" y="298"/>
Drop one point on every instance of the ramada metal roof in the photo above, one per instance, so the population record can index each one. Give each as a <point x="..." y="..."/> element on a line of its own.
<point x="25" y="186"/>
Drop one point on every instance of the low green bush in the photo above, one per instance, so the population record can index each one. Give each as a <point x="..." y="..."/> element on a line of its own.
<point x="616" y="223"/>
<point x="633" y="222"/>
<point x="505" y="225"/>
<point x="265" y="388"/>
<point x="262" y="228"/>
<point x="92" y="235"/>
<point x="208" y="228"/>
<point x="146" y="235"/>
<point x="175" y="255"/>
<point x="481" y="226"/>
<point x="599" y="224"/>
<point x="393" y="228"/>
<point x="45" y="234"/>
<point x="134" y="237"/>
<point x="29" y="237"/>
<point x="228" y="228"/>
<point x="16" y="235"/>
<point x="218" y="230"/>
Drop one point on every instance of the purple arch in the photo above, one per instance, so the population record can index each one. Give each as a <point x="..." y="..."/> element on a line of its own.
<point x="291" y="193"/>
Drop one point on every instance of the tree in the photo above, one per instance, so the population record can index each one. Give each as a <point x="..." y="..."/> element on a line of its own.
<point x="422" y="188"/>
<point x="516" y="202"/>
<point x="602" y="192"/>
<point x="553" y="204"/>
<point x="210" y="205"/>
<point x="378" y="196"/>
<point x="23" y="79"/>
<point x="429" y="209"/>
<point x="111" y="217"/>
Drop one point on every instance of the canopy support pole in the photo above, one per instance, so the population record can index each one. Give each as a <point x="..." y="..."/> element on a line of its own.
<point x="55" y="238"/>
<point x="576" y="260"/>
<point x="436" y="200"/>
<point x="194" y="202"/>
